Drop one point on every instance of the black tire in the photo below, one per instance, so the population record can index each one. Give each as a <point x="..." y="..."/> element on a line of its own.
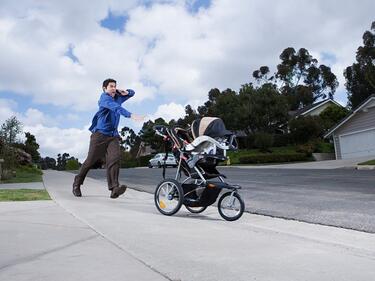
<point x="221" y="208"/>
<point x="150" y="166"/>
<point x="195" y="210"/>
<point x="176" y="194"/>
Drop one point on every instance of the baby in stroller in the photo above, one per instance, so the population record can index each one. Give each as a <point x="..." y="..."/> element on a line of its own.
<point x="199" y="149"/>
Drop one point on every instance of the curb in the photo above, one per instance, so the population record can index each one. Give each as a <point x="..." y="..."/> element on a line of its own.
<point x="365" y="167"/>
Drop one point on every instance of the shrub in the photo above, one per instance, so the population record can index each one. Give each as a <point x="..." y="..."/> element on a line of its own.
<point x="246" y="142"/>
<point x="307" y="149"/>
<point x="72" y="164"/>
<point x="7" y="174"/>
<point x="263" y="141"/>
<point x="332" y="115"/>
<point x="144" y="160"/>
<point x="282" y="140"/>
<point x="304" y="129"/>
<point x="127" y="160"/>
<point x="272" y="158"/>
<point x="31" y="169"/>
<point x="9" y="155"/>
<point x="324" y="147"/>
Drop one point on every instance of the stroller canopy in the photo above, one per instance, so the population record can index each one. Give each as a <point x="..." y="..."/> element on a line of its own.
<point x="209" y="126"/>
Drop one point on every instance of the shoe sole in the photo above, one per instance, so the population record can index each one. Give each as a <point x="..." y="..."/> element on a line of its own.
<point x="77" y="193"/>
<point x="120" y="192"/>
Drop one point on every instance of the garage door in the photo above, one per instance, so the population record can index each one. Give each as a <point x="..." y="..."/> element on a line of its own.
<point x="358" y="144"/>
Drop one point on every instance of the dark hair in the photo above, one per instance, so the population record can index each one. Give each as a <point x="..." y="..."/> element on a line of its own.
<point x="107" y="81"/>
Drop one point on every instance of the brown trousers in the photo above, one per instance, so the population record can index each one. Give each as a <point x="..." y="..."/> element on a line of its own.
<point x="100" y="146"/>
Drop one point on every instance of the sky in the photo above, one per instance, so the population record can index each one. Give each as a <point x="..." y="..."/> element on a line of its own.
<point x="55" y="55"/>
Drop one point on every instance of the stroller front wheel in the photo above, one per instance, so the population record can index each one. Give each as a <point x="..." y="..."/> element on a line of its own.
<point x="231" y="206"/>
<point x="168" y="196"/>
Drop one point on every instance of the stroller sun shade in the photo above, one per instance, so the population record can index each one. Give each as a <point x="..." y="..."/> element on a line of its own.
<point x="209" y="126"/>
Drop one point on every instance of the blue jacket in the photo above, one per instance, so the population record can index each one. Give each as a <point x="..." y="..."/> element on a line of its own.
<point x="106" y="120"/>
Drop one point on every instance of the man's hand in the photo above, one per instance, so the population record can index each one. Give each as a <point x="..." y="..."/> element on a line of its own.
<point x="138" y="118"/>
<point x="123" y="92"/>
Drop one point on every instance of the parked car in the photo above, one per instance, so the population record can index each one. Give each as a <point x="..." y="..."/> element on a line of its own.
<point x="158" y="160"/>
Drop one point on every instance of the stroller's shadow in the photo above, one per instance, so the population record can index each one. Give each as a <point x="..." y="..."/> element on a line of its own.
<point x="196" y="216"/>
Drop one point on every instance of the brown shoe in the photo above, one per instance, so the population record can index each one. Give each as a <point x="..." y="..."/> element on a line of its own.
<point x="77" y="190"/>
<point x="118" y="190"/>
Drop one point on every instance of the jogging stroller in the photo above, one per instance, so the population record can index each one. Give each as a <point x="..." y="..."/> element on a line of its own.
<point x="198" y="151"/>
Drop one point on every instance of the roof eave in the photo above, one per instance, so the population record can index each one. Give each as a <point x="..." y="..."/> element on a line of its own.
<point x="330" y="132"/>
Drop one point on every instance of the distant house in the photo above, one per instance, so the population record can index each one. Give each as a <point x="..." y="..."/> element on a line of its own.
<point x="314" y="109"/>
<point x="354" y="136"/>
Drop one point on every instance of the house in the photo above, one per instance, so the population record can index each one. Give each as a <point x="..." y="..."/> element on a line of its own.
<point x="314" y="109"/>
<point x="354" y="136"/>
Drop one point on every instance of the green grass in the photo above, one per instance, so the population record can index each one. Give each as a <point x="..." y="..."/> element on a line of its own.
<point x="23" y="194"/>
<point x="25" y="174"/>
<point x="370" y="162"/>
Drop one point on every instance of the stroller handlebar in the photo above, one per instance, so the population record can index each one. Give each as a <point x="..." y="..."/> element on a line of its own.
<point x="230" y="142"/>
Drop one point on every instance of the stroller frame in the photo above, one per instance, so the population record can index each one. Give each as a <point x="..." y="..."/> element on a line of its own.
<point x="198" y="190"/>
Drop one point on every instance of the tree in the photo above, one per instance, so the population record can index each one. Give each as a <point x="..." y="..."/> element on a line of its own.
<point x="148" y="136"/>
<point x="261" y="109"/>
<point x="190" y="116"/>
<point x="332" y="115"/>
<point x="31" y="147"/>
<point x="10" y="130"/>
<point x="47" y="163"/>
<point x="299" y="78"/>
<point x="8" y="154"/>
<point x="223" y="105"/>
<point x="61" y="161"/>
<point x="72" y="164"/>
<point x="207" y="108"/>
<point x="263" y="141"/>
<point x="304" y="129"/>
<point x="360" y="76"/>
<point x="261" y="76"/>
<point x="303" y="80"/>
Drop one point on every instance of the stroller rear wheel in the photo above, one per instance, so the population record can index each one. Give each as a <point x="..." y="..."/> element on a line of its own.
<point x="195" y="210"/>
<point x="169" y="197"/>
<point x="231" y="206"/>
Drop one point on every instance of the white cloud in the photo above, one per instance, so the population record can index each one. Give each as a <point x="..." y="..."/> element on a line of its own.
<point x="183" y="55"/>
<point x="7" y="108"/>
<point x="54" y="140"/>
<point x="33" y="117"/>
<point x="164" y="52"/>
<point x="168" y="112"/>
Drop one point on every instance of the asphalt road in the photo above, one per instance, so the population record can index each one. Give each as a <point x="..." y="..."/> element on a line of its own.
<point x="339" y="197"/>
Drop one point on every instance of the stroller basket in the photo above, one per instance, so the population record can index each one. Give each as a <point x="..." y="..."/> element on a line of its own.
<point x="207" y="197"/>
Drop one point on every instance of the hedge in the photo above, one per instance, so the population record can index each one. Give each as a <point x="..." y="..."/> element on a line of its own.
<point x="272" y="158"/>
<point x="138" y="162"/>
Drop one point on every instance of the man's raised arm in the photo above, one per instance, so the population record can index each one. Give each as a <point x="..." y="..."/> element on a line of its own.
<point x="107" y="102"/>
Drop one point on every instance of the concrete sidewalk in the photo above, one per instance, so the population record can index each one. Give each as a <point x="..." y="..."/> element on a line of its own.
<point x="41" y="241"/>
<point x="23" y="185"/>
<point x="127" y="239"/>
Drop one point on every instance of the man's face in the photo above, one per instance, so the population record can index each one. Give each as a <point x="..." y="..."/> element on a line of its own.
<point x="111" y="89"/>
